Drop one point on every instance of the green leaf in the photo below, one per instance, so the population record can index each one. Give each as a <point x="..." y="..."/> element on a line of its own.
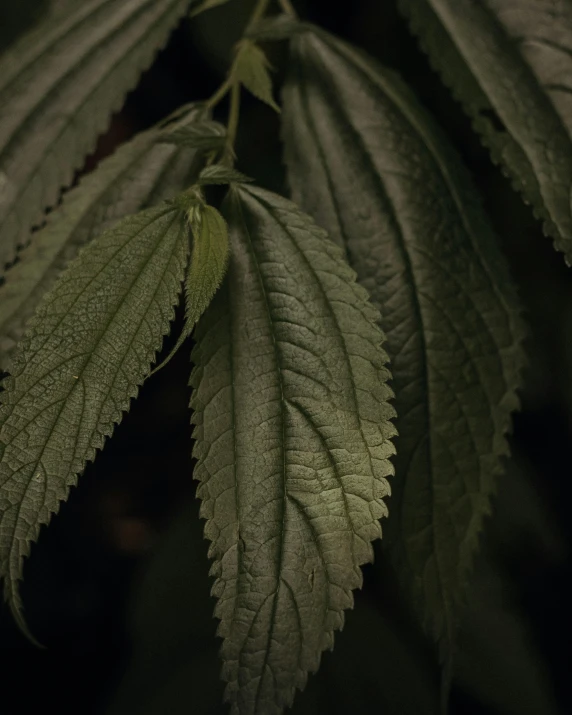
<point x="209" y="261"/>
<point x="198" y="135"/>
<point x="252" y="70"/>
<point x="86" y="351"/>
<point x="372" y="168"/>
<point x="140" y="174"/>
<point x="221" y="174"/>
<point x="206" y="5"/>
<point x="292" y="438"/>
<point x="509" y="63"/>
<point x="278" y="27"/>
<point x="59" y="86"/>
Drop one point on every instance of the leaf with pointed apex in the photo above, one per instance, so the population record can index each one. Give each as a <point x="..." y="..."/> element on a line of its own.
<point x="59" y="86"/>
<point x="221" y="174"/>
<point x="86" y="351"/>
<point x="209" y="261"/>
<point x="292" y="430"/>
<point x="252" y="70"/>
<point x="198" y="135"/>
<point x="278" y="27"/>
<point x="206" y="5"/>
<point x="509" y="63"/>
<point x="140" y="174"/>
<point x="372" y="168"/>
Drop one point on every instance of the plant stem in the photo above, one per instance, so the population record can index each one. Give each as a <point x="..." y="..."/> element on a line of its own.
<point x="220" y="93"/>
<point x="231" y="84"/>
<point x="288" y="8"/>
<point x="258" y="13"/>
<point x="232" y="127"/>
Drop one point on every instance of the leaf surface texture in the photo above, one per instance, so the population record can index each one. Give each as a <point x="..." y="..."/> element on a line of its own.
<point x="253" y="71"/>
<point x="209" y="260"/>
<point x="140" y="174"/>
<point x="58" y="88"/>
<point x="510" y="64"/>
<point x="86" y="351"/>
<point x="371" y="167"/>
<point x="292" y="430"/>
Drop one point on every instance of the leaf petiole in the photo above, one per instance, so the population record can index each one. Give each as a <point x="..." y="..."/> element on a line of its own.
<point x="232" y="84"/>
<point x="232" y="126"/>
<point x="288" y="8"/>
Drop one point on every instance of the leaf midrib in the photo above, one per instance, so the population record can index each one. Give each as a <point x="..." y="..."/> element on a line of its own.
<point x="249" y="242"/>
<point x="451" y="185"/>
<point x="96" y="275"/>
<point x="38" y="462"/>
<point x="41" y="347"/>
<point x="340" y="336"/>
<point x="358" y="140"/>
<point x="313" y="132"/>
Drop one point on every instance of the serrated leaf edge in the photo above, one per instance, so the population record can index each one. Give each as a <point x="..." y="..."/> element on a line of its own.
<point x="483" y="129"/>
<point x="210" y="529"/>
<point x="66" y="174"/>
<point x="11" y="585"/>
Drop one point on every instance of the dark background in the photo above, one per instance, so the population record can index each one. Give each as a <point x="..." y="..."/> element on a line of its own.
<point x="117" y="587"/>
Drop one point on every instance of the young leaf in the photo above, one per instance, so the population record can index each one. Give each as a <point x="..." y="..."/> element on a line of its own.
<point x="198" y="135"/>
<point x="209" y="261"/>
<point x="221" y="174"/>
<point x="292" y="438"/>
<point x="509" y="62"/>
<point x="58" y="88"/>
<point x="371" y="167"/>
<point x="85" y="353"/>
<point x="140" y="174"/>
<point x="252" y="70"/>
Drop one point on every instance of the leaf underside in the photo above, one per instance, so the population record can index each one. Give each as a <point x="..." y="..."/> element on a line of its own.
<point x="509" y="62"/>
<point x="371" y="167"/>
<point x="86" y="351"/>
<point x="140" y="174"/>
<point x="58" y="88"/>
<point x="292" y="438"/>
